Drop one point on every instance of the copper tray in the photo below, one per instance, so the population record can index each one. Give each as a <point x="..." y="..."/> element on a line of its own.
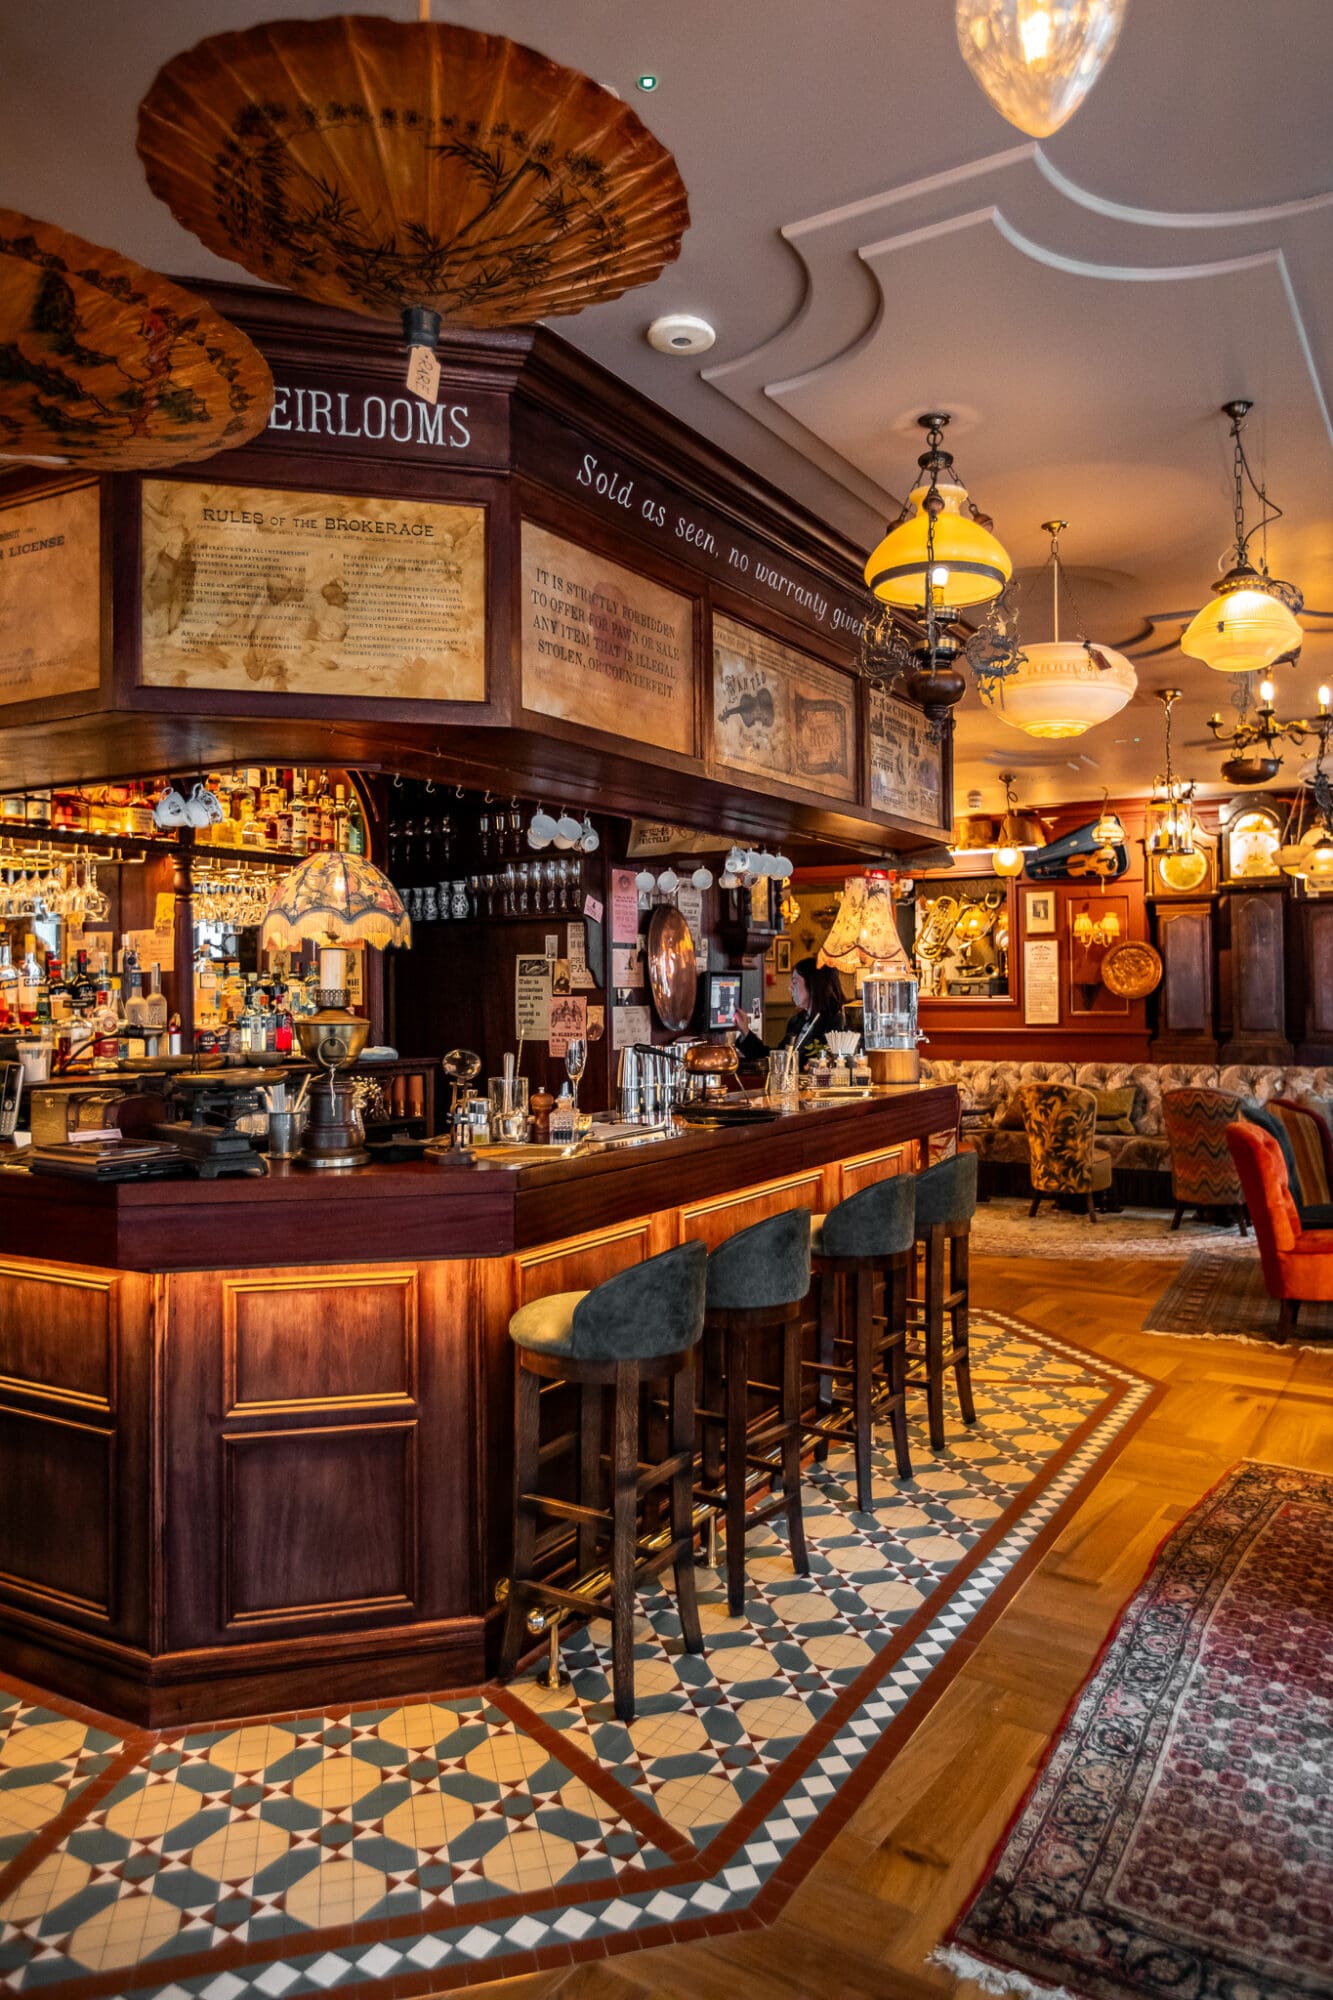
<point x="1131" y="970"/>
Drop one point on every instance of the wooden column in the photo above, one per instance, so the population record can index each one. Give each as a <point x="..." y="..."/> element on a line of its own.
<point x="182" y="882"/>
<point x="1254" y="984"/>
<point x="1185" y="1031"/>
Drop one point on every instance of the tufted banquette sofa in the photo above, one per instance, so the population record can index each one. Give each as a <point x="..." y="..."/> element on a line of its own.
<point x="1140" y="1157"/>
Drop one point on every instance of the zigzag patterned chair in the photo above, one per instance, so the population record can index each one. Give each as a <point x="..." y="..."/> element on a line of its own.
<point x="1060" y="1121"/>
<point x="1203" y="1172"/>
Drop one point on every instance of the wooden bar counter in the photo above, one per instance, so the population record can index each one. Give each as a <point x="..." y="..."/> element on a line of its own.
<point x="255" y="1433"/>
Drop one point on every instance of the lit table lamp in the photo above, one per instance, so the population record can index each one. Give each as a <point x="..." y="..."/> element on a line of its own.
<point x="334" y="901"/>
<point x="863" y="939"/>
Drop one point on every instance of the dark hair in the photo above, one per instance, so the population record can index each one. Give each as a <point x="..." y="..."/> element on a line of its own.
<point x="824" y="988"/>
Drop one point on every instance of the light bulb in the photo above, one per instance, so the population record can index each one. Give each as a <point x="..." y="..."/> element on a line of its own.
<point x="1324" y="697"/>
<point x="1035" y="35"/>
<point x="1008" y="861"/>
<point x="939" y="576"/>
<point x="1266" y="693"/>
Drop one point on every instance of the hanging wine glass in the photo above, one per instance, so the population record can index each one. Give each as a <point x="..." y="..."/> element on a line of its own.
<point x="576" y="1061"/>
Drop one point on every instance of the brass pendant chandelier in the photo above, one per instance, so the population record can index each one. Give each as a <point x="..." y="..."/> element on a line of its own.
<point x="1252" y="623"/>
<point x="1171" y="826"/>
<point x="1263" y="732"/>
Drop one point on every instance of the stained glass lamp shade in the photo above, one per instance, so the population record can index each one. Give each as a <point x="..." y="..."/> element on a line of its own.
<point x="336" y="900"/>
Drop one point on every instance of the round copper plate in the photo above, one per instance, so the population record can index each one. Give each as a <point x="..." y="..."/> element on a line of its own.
<point x="1131" y="970"/>
<point x="673" y="976"/>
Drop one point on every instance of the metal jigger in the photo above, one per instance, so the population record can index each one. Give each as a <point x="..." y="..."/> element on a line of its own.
<point x="333" y="1037"/>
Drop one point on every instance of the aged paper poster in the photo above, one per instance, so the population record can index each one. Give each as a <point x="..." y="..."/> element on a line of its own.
<point x="906" y="760"/>
<point x="781" y="714"/>
<point x="50" y="619"/>
<point x="258" y="591"/>
<point x="605" y="647"/>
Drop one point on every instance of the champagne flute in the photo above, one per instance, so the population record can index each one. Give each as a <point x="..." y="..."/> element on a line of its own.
<point x="576" y="1061"/>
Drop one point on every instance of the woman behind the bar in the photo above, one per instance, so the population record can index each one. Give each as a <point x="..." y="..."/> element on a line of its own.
<point x="816" y="994"/>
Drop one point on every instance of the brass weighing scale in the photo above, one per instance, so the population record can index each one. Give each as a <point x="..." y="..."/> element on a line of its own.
<point x="210" y="1137"/>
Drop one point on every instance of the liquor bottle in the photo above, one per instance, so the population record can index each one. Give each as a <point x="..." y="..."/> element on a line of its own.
<point x="139" y="812"/>
<point x="106" y="1031"/>
<point x="205" y="988"/>
<point x="30" y="980"/>
<point x="324" y="808"/>
<point x="243" y="797"/>
<point x="57" y="1003"/>
<point x="273" y="798"/>
<point x="356" y="827"/>
<point x="283" y="1033"/>
<point x="341" y="818"/>
<point x="39" y="808"/>
<point x="299" y="840"/>
<point x="82" y="991"/>
<point x="9" y="987"/>
<point x="155" y="1004"/>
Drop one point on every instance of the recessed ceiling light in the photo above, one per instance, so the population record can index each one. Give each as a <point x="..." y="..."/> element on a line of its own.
<point x="646" y="82"/>
<point x="681" y="333"/>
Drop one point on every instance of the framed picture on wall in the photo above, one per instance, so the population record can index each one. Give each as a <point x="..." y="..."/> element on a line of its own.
<point x="782" y="954"/>
<point x="1039" y="912"/>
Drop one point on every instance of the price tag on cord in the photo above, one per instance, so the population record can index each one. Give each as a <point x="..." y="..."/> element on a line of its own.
<point x="423" y="374"/>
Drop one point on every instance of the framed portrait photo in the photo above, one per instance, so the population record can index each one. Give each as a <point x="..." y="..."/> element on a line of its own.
<point x="1039" y="912"/>
<point x="782" y="954"/>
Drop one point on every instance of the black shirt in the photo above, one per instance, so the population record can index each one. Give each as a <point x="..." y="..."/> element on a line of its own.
<point x="800" y="1031"/>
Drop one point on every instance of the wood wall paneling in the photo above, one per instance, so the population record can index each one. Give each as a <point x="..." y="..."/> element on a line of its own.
<point x="1316" y="923"/>
<point x="58" y="1509"/>
<point x="320" y="1523"/>
<point x="713" y="1222"/>
<point x="1185" y="999"/>
<point x="293" y="1341"/>
<point x="59" y="1334"/>
<point x="1252" y="968"/>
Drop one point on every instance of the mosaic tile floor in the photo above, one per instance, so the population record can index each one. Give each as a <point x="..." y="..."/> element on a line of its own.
<point x="432" y="1844"/>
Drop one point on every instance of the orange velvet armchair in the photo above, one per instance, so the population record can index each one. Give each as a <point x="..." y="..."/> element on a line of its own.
<point x="1297" y="1263"/>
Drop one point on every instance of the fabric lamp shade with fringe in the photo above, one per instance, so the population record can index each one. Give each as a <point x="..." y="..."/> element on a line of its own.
<point x="335" y="900"/>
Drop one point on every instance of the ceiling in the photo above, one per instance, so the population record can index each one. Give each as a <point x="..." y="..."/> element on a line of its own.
<point x="871" y="239"/>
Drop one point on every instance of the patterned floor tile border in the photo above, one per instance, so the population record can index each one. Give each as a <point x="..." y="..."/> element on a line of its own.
<point x="443" y="1842"/>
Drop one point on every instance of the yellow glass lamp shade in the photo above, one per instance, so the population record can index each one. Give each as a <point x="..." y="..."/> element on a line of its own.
<point x="1083" y="927"/>
<point x="1242" y="631"/>
<point x="970" y="566"/>
<point x="1062" y="688"/>
<point x="863" y="936"/>
<point x="1037" y="60"/>
<point x="335" y="899"/>
<point x="1008" y="861"/>
<point x="1318" y="865"/>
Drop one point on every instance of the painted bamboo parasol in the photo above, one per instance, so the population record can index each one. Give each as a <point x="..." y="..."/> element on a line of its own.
<point x="108" y="366"/>
<point x="411" y="168"/>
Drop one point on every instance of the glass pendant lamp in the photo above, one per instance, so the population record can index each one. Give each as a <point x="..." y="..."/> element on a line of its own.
<point x="1020" y="833"/>
<point x="1037" y="60"/>
<point x="1061" y="687"/>
<point x="940" y="554"/>
<point x="1252" y="621"/>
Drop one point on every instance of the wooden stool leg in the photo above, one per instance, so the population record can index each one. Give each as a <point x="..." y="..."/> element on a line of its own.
<point x="527" y="1426"/>
<point x="895" y="1362"/>
<point x="624" y="1525"/>
<point x="829" y="1284"/>
<point x="960" y="1258"/>
<point x="935" y="1334"/>
<point x="863" y="1364"/>
<point x="682" y="1506"/>
<point x="791" y="1445"/>
<point x="709" y="1354"/>
<point x="590" y="1470"/>
<point x="738" y="1409"/>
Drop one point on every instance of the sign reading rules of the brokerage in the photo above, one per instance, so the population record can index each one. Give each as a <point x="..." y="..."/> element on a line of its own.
<point x="257" y="590"/>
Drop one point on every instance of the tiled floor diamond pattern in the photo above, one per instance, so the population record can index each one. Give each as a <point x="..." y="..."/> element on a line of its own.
<point x="46" y="1759"/>
<point x="440" y="1835"/>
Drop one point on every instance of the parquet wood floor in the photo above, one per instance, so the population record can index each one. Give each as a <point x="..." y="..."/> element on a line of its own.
<point x="862" y="1923"/>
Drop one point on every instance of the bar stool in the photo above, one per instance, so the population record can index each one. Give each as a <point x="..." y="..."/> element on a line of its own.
<point x="637" y="1327"/>
<point x="946" y="1201"/>
<point x="757" y="1282"/>
<point x="866" y="1238"/>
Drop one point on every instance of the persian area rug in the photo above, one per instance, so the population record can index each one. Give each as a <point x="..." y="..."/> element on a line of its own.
<point x="1002" y="1228"/>
<point x="413" y="1847"/>
<point x="1179" y="1840"/>
<point x="1224" y="1298"/>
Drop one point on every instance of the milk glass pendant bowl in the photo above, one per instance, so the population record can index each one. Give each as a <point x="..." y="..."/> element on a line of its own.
<point x="1061" y="687"/>
<point x="1037" y="60"/>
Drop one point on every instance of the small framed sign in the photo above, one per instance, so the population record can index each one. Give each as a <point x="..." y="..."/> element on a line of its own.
<point x="1041" y="983"/>
<point x="1039" y="912"/>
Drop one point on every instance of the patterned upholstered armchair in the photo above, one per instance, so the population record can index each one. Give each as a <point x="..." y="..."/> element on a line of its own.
<point x="1061" y="1125"/>
<point x="1203" y="1173"/>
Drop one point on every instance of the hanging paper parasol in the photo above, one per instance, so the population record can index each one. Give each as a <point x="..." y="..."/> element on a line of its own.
<point x="106" y="365"/>
<point x="411" y="168"/>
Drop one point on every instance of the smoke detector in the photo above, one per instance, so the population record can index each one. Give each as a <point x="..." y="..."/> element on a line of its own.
<point x="681" y="333"/>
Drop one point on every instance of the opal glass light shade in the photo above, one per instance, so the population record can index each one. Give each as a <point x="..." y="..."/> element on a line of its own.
<point x="1060" y="688"/>
<point x="1037" y="60"/>
<point x="969" y="565"/>
<point x="1241" y="632"/>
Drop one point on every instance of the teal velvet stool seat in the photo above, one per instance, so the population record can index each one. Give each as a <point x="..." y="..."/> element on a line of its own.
<point x="642" y="1326"/>
<point x="757" y="1285"/>
<point x="946" y="1201"/>
<point x="865" y="1243"/>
